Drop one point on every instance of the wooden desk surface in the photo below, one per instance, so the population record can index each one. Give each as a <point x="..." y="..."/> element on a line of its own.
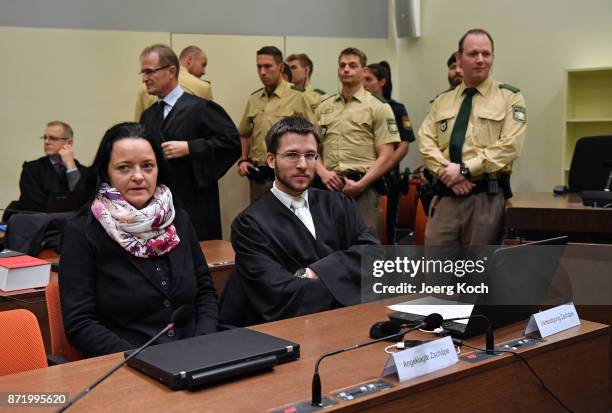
<point x="572" y="363"/>
<point x="219" y="254"/>
<point x="538" y="215"/>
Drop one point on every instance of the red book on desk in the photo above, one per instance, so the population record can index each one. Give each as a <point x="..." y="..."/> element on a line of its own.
<point x="23" y="272"/>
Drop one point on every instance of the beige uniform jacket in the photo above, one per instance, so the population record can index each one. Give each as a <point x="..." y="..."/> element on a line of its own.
<point x="351" y="130"/>
<point x="314" y="97"/>
<point x="495" y="133"/>
<point x="263" y="110"/>
<point x="187" y="81"/>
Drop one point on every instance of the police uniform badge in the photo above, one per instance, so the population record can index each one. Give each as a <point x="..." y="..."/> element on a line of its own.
<point x="392" y="126"/>
<point x="519" y="113"/>
<point x="443" y="125"/>
<point x="323" y="130"/>
<point x="406" y="122"/>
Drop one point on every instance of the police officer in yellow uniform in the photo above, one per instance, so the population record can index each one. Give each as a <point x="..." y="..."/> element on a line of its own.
<point x="468" y="141"/>
<point x="277" y="100"/>
<point x="193" y="63"/>
<point x="358" y="134"/>
<point x="301" y="71"/>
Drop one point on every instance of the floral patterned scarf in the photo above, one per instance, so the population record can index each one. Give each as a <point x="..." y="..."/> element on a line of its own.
<point x="147" y="232"/>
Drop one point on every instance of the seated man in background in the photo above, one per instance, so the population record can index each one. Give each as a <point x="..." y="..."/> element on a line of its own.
<point x="56" y="172"/>
<point x="297" y="248"/>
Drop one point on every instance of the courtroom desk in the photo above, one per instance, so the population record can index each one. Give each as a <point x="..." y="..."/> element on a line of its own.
<point x="573" y="364"/>
<point x="538" y="215"/>
<point x="220" y="259"/>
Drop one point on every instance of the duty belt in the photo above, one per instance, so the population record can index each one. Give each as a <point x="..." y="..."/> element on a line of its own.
<point x="490" y="184"/>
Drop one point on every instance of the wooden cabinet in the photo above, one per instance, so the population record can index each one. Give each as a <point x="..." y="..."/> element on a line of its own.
<point x="588" y="107"/>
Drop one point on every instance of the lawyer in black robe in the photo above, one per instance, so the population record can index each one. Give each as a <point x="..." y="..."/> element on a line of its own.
<point x="271" y="244"/>
<point x="214" y="146"/>
<point x="39" y="180"/>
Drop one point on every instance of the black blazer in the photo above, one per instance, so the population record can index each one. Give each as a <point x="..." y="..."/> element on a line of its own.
<point x="113" y="301"/>
<point x="214" y="146"/>
<point x="39" y="180"/>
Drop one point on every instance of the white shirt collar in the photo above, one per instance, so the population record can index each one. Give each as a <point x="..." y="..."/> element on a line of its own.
<point x="173" y="96"/>
<point x="285" y="198"/>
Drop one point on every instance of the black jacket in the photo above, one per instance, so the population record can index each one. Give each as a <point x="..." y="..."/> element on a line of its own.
<point x="113" y="301"/>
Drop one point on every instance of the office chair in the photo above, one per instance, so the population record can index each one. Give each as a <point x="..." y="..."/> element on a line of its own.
<point x="420" y="224"/>
<point x="591" y="164"/>
<point x="21" y="343"/>
<point x="60" y="347"/>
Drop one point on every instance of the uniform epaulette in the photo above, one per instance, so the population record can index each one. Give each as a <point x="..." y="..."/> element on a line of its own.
<point x="297" y="87"/>
<point x="509" y="87"/>
<point x="258" y="90"/>
<point x="382" y="99"/>
<point x="440" y="94"/>
<point x="319" y="91"/>
<point x="329" y="97"/>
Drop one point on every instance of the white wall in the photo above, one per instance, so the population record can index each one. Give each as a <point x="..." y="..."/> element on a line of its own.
<point x="535" y="42"/>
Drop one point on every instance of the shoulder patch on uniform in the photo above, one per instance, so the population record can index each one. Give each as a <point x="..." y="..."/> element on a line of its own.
<point x="319" y="91"/>
<point x="258" y="90"/>
<point x="519" y="113"/>
<point x="511" y="88"/>
<point x="379" y="98"/>
<point x="297" y="87"/>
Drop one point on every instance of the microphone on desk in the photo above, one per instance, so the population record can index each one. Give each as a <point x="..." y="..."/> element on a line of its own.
<point x="607" y="188"/>
<point x="490" y="341"/>
<point x="180" y="317"/>
<point x="431" y="322"/>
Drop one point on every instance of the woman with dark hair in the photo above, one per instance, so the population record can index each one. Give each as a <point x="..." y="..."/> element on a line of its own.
<point x="129" y="259"/>
<point x="377" y="80"/>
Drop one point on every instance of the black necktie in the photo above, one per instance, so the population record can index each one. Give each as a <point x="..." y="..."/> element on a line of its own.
<point x="458" y="133"/>
<point x="160" y="109"/>
<point x="60" y="169"/>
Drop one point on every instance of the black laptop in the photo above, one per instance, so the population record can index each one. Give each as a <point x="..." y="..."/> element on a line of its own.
<point x="196" y="361"/>
<point x="518" y="274"/>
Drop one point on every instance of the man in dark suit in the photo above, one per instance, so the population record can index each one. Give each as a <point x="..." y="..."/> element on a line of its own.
<point x="55" y="173"/>
<point x="298" y="249"/>
<point x="197" y="136"/>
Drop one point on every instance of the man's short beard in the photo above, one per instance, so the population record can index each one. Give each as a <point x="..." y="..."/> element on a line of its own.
<point x="290" y="186"/>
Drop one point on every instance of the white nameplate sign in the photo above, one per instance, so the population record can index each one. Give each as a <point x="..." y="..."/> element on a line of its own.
<point x="422" y="359"/>
<point x="552" y="321"/>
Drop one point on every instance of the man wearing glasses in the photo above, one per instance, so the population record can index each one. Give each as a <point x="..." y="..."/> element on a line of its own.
<point x="55" y="173"/>
<point x="358" y="134"/>
<point x="197" y="136"/>
<point x="297" y="248"/>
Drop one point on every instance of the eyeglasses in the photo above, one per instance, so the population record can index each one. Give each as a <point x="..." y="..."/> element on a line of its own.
<point x="149" y="72"/>
<point x="52" y="138"/>
<point x="296" y="156"/>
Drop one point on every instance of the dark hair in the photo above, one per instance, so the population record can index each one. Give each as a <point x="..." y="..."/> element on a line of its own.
<point x="287" y="72"/>
<point x="354" y="51"/>
<point x="292" y="124"/>
<point x="304" y="61"/>
<point x="271" y="51"/>
<point x="166" y="55"/>
<point x="97" y="173"/>
<point x="382" y="70"/>
<point x="452" y="59"/>
<point x="474" y="31"/>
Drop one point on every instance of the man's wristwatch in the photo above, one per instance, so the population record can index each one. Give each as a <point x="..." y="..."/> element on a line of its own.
<point x="300" y="273"/>
<point x="464" y="170"/>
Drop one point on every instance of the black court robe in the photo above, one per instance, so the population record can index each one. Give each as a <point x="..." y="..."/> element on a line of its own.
<point x="214" y="146"/>
<point x="271" y="244"/>
<point x="39" y="180"/>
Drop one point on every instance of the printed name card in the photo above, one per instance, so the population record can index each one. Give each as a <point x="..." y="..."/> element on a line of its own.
<point x="422" y="359"/>
<point x="552" y="321"/>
